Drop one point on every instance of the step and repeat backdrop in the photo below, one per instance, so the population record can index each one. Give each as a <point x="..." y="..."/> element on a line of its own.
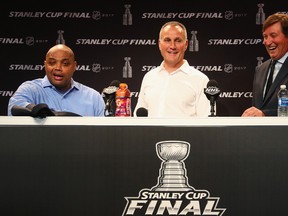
<point x="117" y="40"/>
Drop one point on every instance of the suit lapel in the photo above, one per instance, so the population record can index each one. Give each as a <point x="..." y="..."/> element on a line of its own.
<point x="282" y="74"/>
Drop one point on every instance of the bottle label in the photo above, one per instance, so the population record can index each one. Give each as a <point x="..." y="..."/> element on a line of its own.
<point x="123" y="106"/>
<point x="283" y="102"/>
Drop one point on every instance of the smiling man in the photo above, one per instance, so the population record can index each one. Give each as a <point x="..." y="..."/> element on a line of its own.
<point x="265" y="89"/>
<point x="173" y="89"/>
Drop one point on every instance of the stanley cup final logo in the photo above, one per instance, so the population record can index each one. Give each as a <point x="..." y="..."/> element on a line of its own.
<point x="60" y="39"/>
<point x="127" y="16"/>
<point x="260" y="15"/>
<point x="259" y="60"/>
<point x="173" y="195"/>
<point x="127" y="68"/>
<point x="172" y="175"/>
<point x="193" y="43"/>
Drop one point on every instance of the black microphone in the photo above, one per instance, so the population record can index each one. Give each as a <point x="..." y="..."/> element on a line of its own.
<point x="212" y="92"/>
<point x="110" y="95"/>
<point x="142" y="112"/>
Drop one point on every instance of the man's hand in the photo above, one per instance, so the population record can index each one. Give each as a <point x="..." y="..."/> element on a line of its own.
<point x="252" y="112"/>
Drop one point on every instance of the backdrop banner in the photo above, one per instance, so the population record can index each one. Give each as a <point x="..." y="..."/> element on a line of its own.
<point x="118" y="40"/>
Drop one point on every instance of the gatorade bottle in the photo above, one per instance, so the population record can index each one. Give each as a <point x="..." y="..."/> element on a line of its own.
<point x="123" y="101"/>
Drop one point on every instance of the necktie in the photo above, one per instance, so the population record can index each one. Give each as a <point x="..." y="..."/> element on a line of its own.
<point x="270" y="78"/>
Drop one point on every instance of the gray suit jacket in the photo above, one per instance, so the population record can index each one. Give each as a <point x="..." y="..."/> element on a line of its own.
<point x="270" y="103"/>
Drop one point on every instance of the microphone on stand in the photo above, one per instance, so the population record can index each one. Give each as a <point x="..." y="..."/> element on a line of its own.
<point x="142" y="112"/>
<point x="212" y="92"/>
<point x="110" y="95"/>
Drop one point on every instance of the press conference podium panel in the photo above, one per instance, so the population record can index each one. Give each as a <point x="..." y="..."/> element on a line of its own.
<point x="112" y="166"/>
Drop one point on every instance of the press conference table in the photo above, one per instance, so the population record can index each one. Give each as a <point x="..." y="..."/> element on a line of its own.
<point x="116" y="121"/>
<point x="113" y="166"/>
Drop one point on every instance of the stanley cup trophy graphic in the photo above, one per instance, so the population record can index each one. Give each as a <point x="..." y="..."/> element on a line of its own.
<point x="193" y="43"/>
<point x="172" y="174"/>
<point x="127" y="68"/>
<point x="60" y="39"/>
<point x="260" y="16"/>
<point x="127" y="16"/>
<point x="259" y="60"/>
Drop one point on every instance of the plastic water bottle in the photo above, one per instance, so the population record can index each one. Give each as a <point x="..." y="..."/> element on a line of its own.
<point x="123" y="101"/>
<point x="283" y="101"/>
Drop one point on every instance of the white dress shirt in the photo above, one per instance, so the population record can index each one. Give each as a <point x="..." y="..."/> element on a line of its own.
<point x="176" y="94"/>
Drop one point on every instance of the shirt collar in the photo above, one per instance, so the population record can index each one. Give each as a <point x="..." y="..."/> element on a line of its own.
<point x="282" y="60"/>
<point x="46" y="83"/>
<point x="184" y="67"/>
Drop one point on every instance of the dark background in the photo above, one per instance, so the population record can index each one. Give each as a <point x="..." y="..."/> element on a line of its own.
<point x="24" y="42"/>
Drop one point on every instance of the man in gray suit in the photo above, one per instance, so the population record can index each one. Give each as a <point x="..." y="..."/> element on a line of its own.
<point x="275" y="39"/>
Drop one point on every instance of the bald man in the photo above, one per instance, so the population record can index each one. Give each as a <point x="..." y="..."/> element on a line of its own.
<point x="57" y="88"/>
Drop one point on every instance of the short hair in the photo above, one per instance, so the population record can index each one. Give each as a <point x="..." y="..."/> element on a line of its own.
<point x="174" y="23"/>
<point x="274" y="18"/>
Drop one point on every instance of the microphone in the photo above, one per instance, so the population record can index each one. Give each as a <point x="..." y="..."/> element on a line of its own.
<point x="142" y="112"/>
<point x="212" y="92"/>
<point x="110" y="95"/>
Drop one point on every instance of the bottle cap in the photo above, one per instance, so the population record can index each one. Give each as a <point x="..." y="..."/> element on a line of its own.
<point x="123" y="85"/>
